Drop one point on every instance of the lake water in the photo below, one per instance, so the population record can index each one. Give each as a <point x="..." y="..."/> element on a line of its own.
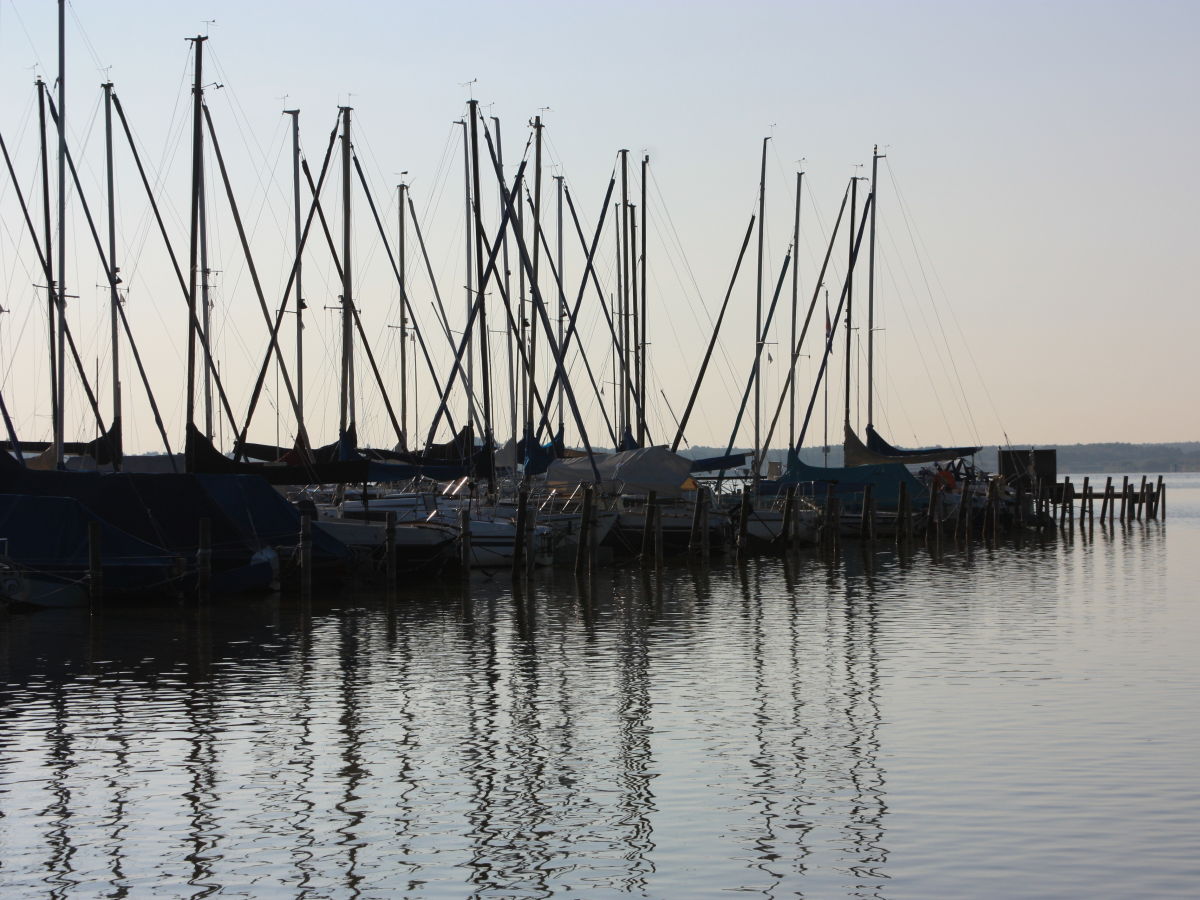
<point x="1018" y="722"/>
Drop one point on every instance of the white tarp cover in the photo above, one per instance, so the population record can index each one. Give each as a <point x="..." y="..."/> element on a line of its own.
<point x="640" y="471"/>
<point x="506" y="456"/>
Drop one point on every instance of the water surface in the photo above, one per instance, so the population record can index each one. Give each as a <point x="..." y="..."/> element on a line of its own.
<point x="1009" y="722"/>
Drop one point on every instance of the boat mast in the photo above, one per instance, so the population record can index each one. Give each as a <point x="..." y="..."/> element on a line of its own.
<point x="534" y="282"/>
<point x="402" y="190"/>
<point x="623" y="250"/>
<point x="469" y="234"/>
<point x="193" y="249"/>
<point x="758" y="335"/>
<point x="635" y="392"/>
<point x="508" y="332"/>
<point x="828" y="349"/>
<point x="476" y="226"/>
<point x="642" y="344"/>
<point x="51" y="291"/>
<point x="346" y="413"/>
<point x="562" y="299"/>
<point x="795" y="295"/>
<point x="114" y="299"/>
<point x="850" y="293"/>
<point x="205" y="303"/>
<point x="62" y="233"/>
<point x="875" y="156"/>
<point x="299" y="237"/>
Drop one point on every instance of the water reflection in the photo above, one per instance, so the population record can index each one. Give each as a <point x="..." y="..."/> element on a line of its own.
<point x="680" y="732"/>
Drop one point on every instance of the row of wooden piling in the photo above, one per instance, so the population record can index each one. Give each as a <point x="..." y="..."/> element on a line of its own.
<point x="1129" y="504"/>
<point x="1053" y="503"/>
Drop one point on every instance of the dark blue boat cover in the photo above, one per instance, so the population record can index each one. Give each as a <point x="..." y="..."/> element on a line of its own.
<point x="53" y="532"/>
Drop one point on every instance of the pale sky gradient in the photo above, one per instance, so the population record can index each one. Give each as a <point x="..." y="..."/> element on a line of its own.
<point x="1042" y="153"/>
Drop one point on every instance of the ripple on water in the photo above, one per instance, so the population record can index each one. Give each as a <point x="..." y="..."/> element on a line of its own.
<point x="1017" y="722"/>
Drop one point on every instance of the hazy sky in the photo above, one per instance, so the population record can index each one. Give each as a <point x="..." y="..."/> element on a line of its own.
<point x="1036" y="220"/>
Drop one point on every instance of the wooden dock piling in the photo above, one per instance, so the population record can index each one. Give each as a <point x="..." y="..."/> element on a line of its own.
<point x="464" y="538"/>
<point x="95" y="567"/>
<point x="866" y="525"/>
<point x="518" y="559"/>
<point x="966" y="512"/>
<point x="743" y="521"/>
<point x="204" y="559"/>
<point x="828" y="525"/>
<point x="389" y="544"/>
<point x="903" y="514"/>
<point x="305" y="557"/>
<point x="583" y="552"/>
<point x="787" y="529"/>
<point x="648" y="527"/>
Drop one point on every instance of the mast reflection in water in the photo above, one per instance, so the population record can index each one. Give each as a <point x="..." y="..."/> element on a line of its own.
<point x="780" y="727"/>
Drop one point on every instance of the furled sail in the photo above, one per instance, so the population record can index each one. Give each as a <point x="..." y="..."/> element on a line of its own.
<point x="877" y="451"/>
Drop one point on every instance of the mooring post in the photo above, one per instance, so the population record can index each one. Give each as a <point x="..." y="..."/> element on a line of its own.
<point x="933" y="527"/>
<point x="583" y="550"/>
<point x="1159" y="510"/>
<point x="1124" y="497"/>
<point x="204" y="559"/>
<point x="960" y="515"/>
<point x="837" y="523"/>
<point x="705" y="501"/>
<point x="743" y="521"/>
<point x="464" y="538"/>
<point x="530" y="539"/>
<point x="796" y="516"/>
<point x="95" y="568"/>
<point x="694" y="534"/>
<point x="648" y="527"/>
<point x="966" y="515"/>
<point x="902" y="515"/>
<point x="827" y="524"/>
<point x="305" y="556"/>
<point x="658" y="536"/>
<point x="1141" y="501"/>
<point x="1106" y="506"/>
<point x="1069" y="502"/>
<point x="864" y="521"/>
<point x="519" y="538"/>
<point x="389" y="548"/>
<point x="786" y="531"/>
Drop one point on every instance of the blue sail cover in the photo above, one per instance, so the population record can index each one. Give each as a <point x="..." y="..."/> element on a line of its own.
<point x="50" y="535"/>
<point x="719" y="463"/>
<point x="876" y="444"/>
<point x="885" y="479"/>
<point x="161" y="509"/>
<point x="265" y="517"/>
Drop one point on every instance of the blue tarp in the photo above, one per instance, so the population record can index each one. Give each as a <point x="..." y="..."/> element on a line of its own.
<point x="885" y="480"/>
<point x="719" y="463"/>
<point x="264" y="516"/>
<point x="50" y="535"/>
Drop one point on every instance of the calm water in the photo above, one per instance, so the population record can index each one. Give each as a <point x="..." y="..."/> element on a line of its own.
<point x="1013" y="723"/>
